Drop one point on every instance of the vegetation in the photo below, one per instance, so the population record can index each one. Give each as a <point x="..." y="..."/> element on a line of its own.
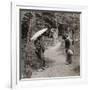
<point x="32" y="21"/>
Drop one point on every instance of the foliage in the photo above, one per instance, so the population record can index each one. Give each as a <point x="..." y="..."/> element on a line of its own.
<point x="32" y="21"/>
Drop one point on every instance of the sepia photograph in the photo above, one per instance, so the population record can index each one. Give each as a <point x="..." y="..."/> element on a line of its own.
<point x="49" y="43"/>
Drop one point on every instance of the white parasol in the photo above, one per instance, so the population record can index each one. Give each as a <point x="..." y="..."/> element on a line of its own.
<point x="37" y="34"/>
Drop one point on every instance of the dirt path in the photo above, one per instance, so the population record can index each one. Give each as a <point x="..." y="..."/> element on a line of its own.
<point x="56" y="62"/>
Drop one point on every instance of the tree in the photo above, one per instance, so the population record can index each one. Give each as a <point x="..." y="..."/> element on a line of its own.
<point x="25" y="24"/>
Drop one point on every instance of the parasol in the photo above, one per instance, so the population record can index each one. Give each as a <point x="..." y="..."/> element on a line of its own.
<point x="39" y="33"/>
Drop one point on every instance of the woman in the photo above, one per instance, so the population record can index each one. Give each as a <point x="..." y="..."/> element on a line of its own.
<point x="40" y="50"/>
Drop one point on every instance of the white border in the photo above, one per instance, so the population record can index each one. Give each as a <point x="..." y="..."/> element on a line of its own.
<point x="15" y="82"/>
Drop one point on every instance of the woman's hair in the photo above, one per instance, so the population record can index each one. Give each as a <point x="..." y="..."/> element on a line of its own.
<point x="64" y="37"/>
<point x="37" y="39"/>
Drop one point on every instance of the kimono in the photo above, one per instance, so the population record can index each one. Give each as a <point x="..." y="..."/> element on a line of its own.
<point x="40" y="51"/>
<point x="67" y="44"/>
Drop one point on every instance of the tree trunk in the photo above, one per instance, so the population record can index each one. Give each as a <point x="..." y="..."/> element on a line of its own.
<point x="31" y="27"/>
